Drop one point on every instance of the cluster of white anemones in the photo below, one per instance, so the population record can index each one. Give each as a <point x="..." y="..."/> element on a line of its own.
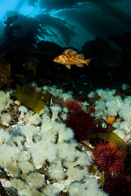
<point x="110" y="104"/>
<point x="45" y="159"/>
<point x="5" y="103"/>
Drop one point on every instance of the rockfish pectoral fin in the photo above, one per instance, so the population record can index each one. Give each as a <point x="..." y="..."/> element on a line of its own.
<point x="79" y="65"/>
<point x="68" y="66"/>
<point x="87" y="61"/>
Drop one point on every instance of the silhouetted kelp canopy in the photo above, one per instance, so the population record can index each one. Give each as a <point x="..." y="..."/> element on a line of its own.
<point x="98" y="17"/>
<point x="44" y="25"/>
<point x="61" y="4"/>
<point x="99" y="21"/>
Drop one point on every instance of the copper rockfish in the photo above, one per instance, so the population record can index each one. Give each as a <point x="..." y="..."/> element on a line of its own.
<point x="71" y="57"/>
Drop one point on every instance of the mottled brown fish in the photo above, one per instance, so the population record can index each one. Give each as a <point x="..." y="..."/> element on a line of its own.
<point x="71" y="57"/>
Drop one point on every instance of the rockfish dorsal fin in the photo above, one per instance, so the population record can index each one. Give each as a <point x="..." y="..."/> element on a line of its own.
<point x="70" y="52"/>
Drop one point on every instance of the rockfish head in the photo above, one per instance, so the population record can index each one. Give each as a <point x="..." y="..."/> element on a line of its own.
<point x="60" y="59"/>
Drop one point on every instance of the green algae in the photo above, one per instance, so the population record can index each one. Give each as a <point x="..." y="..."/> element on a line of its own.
<point x="110" y="137"/>
<point x="113" y="138"/>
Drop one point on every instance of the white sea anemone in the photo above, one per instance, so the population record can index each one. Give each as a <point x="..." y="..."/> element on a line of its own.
<point x="42" y="151"/>
<point x="66" y="152"/>
<point x="6" y="119"/>
<point x="55" y="111"/>
<point x="76" y="189"/>
<point x="56" y="170"/>
<point x="23" y="111"/>
<point x="29" y="130"/>
<point x="4" y="136"/>
<point x="75" y="174"/>
<point x="35" y="119"/>
<point x="35" y="180"/>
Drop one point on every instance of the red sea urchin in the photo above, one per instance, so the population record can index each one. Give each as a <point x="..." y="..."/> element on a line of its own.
<point x="80" y="121"/>
<point x="72" y="105"/>
<point x="118" y="185"/>
<point x="109" y="157"/>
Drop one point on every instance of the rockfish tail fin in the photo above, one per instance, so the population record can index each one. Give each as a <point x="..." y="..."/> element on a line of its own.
<point x="87" y="61"/>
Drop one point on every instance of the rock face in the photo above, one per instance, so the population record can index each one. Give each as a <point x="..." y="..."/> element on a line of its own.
<point x="5" y="72"/>
<point x="102" y="54"/>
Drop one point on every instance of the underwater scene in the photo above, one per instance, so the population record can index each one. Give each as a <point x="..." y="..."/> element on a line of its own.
<point x="65" y="98"/>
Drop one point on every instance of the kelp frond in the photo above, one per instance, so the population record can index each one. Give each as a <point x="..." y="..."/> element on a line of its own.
<point x="44" y="25"/>
<point x="57" y="27"/>
<point x="62" y="4"/>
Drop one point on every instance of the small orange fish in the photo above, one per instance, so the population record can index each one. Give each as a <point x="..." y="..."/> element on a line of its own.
<point x="71" y="57"/>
